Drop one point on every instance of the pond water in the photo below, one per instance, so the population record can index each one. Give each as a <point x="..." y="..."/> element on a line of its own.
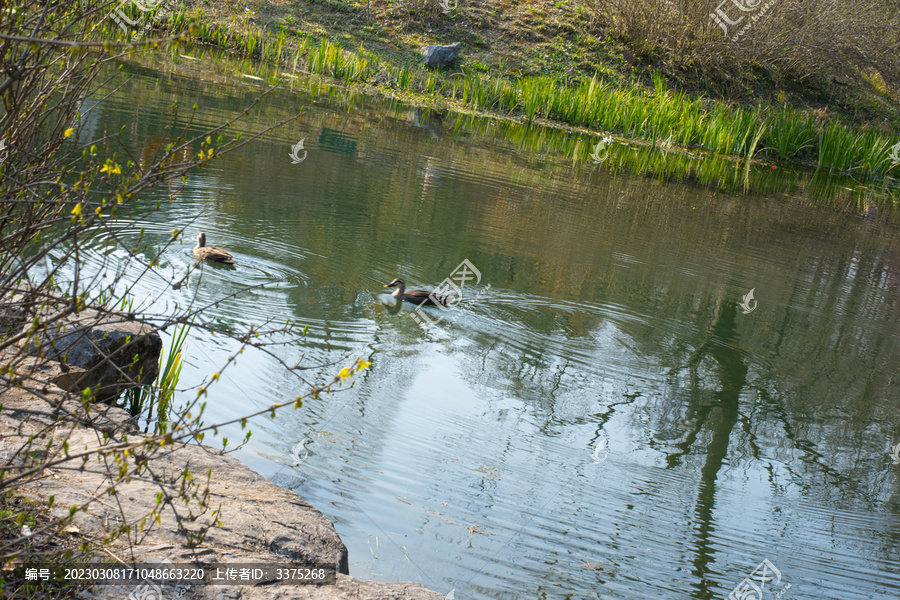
<point x="606" y="413"/>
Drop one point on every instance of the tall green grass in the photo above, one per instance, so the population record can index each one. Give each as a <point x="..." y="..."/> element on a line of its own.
<point x="865" y="152"/>
<point x="790" y="133"/>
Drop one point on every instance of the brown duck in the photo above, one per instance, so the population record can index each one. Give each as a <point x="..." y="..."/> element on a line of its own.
<point x="418" y="297"/>
<point x="201" y="250"/>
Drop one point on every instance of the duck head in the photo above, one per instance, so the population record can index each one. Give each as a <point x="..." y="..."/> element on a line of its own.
<point x="201" y="239"/>
<point x="400" y="285"/>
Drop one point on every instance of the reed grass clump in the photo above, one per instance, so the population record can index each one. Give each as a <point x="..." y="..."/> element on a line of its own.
<point x="865" y="152"/>
<point x="790" y="133"/>
<point x="161" y="395"/>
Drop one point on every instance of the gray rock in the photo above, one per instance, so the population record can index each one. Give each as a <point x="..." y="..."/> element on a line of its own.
<point x="111" y="351"/>
<point x="441" y="57"/>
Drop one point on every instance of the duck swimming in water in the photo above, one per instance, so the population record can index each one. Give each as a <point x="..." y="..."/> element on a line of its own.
<point x="202" y="251"/>
<point x="417" y="297"/>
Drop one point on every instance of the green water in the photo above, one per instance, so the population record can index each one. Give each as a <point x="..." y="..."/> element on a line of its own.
<point x="598" y="418"/>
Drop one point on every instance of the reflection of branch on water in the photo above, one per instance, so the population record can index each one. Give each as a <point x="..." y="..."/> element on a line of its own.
<point x="604" y="416"/>
<point x="807" y="447"/>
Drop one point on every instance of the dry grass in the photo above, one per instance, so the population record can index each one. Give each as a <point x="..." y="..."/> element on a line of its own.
<point x="852" y="41"/>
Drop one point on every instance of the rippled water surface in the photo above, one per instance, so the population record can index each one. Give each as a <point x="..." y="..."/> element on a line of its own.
<point x="599" y="418"/>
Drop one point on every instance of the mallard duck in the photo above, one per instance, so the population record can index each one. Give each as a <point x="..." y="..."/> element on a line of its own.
<point x="201" y="250"/>
<point x="418" y="297"/>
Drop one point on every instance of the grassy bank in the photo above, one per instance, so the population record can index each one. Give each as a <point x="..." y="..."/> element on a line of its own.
<point x="638" y="102"/>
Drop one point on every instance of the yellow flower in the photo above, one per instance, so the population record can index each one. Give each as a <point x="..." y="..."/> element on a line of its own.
<point x="345" y="373"/>
<point x="361" y="364"/>
<point x="68" y="132"/>
<point x="77" y="210"/>
<point x="113" y="170"/>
